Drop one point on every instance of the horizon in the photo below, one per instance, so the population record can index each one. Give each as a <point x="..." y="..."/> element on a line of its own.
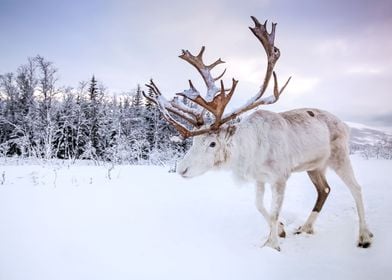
<point x="337" y="52"/>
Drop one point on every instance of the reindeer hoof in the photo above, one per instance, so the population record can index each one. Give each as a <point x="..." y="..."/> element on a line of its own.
<point x="364" y="244"/>
<point x="273" y="245"/>
<point x="282" y="233"/>
<point x="365" y="239"/>
<point x="306" y="229"/>
<point x="277" y="247"/>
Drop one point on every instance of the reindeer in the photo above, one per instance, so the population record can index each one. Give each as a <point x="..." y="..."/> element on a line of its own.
<point x="265" y="147"/>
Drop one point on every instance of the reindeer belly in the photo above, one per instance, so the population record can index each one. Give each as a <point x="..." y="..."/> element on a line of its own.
<point x="312" y="164"/>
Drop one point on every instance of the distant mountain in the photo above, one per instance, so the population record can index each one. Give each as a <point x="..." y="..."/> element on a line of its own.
<point x="370" y="141"/>
<point x="362" y="134"/>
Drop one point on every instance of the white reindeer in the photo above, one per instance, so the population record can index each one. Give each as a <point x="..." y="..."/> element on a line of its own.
<point x="265" y="147"/>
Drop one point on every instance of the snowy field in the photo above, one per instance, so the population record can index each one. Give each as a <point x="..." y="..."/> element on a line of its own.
<point x="61" y="221"/>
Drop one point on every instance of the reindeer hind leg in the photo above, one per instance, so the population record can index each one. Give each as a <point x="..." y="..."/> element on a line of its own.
<point x="344" y="170"/>
<point x="318" y="179"/>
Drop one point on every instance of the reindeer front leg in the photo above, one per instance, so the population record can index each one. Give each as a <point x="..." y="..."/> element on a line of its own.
<point x="260" y="201"/>
<point x="276" y="205"/>
<point x="260" y="188"/>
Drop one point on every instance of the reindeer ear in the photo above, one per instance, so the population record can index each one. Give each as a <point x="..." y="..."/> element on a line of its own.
<point x="231" y="129"/>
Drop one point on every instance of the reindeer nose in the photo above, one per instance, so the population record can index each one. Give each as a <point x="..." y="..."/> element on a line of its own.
<point x="184" y="172"/>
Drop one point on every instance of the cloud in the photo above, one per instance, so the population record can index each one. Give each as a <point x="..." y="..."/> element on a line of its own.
<point x="364" y="70"/>
<point x="338" y="52"/>
<point x="382" y="119"/>
<point x="302" y="85"/>
<point x="332" y="47"/>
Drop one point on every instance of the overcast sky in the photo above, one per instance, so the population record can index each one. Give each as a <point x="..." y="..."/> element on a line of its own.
<point x="339" y="52"/>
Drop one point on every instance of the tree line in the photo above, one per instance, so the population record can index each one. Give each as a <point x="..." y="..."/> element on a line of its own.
<point x="39" y="119"/>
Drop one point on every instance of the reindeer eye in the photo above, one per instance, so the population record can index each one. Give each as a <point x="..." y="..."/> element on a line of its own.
<point x="212" y="144"/>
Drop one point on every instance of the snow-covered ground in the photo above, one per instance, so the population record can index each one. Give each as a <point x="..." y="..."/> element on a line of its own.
<point x="60" y="221"/>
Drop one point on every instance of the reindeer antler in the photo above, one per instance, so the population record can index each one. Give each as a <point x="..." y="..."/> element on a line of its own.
<point x="217" y="98"/>
<point x="166" y="107"/>
<point x="273" y="54"/>
<point x="204" y="70"/>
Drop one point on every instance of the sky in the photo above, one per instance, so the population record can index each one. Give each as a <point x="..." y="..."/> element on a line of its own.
<point x="338" y="52"/>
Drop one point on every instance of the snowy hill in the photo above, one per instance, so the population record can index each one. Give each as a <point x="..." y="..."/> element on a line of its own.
<point x="60" y="221"/>
<point x="370" y="142"/>
<point x="362" y="134"/>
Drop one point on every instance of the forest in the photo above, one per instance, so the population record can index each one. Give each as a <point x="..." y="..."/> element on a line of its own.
<point x="42" y="120"/>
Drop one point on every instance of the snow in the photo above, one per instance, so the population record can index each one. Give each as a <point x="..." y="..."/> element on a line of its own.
<point x="358" y="125"/>
<point x="63" y="221"/>
<point x="191" y="94"/>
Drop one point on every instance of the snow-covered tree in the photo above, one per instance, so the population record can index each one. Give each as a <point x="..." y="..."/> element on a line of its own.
<point x="39" y="119"/>
<point x="47" y="78"/>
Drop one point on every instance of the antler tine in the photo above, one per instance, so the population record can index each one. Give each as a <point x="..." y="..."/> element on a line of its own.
<point x="220" y="76"/>
<point x="222" y="99"/>
<point x="217" y="62"/>
<point x="167" y="107"/>
<point x="265" y="38"/>
<point x="200" y="55"/>
<point x="217" y="105"/>
<point x="273" y="54"/>
<point x="192" y="87"/>
<point x="196" y="117"/>
<point x="185" y="133"/>
<point x="204" y="70"/>
<point x="278" y="92"/>
<point x="154" y="88"/>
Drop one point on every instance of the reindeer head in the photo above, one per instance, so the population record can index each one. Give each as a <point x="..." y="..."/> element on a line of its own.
<point x="209" y="151"/>
<point x="210" y="144"/>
